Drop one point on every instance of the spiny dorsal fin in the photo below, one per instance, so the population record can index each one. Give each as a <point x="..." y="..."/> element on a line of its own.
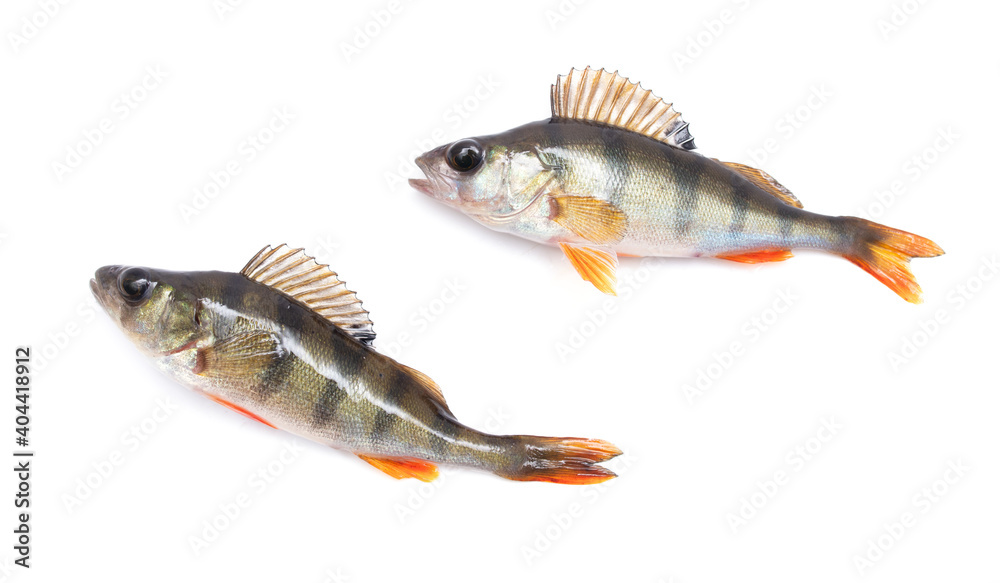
<point x="432" y="388"/>
<point x="297" y="275"/>
<point x="764" y="181"/>
<point x="608" y="98"/>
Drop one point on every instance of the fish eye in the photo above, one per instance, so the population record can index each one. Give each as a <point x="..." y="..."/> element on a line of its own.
<point x="134" y="284"/>
<point x="464" y="155"/>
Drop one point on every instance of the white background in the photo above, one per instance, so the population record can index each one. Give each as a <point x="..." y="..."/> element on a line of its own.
<point x="735" y="70"/>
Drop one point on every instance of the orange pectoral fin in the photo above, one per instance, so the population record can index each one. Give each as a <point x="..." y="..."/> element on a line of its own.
<point x="238" y="409"/>
<point x="758" y="256"/>
<point x="594" y="264"/>
<point x="597" y="221"/>
<point x="404" y="467"/>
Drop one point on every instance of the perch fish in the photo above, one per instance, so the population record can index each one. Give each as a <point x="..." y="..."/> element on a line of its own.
<point x="613" y="173"/>
<point x="285" y="343"/>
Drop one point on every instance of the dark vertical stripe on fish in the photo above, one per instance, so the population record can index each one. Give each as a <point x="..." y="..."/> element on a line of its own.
<point x="618" y="179"/>
<point x="845" y="235"/>
<point x="688" y="176"/>
<point x="325" y="409"/>
<point x="351" y="357"/>
<point x="740" y="210"/>
<point x="443" y="435"/>
<point x="786" y="220"/>
<point x="273" y="378"/>
<point x="394" y="383"/>
<point x="553" y="135"/>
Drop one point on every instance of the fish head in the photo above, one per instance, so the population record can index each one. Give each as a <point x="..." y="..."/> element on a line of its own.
<point x="482" y="177"/>
<point x="155" y="309"/>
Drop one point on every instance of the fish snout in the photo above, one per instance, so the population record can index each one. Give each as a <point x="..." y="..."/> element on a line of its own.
<point x="106" y="275"/>
<point x="423" y="162"/>
<point x="434" y="183"/>
<point x="422" y="184"/>
<point x="104" y="281"/>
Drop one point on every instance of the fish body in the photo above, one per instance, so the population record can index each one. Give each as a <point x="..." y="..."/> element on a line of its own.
<point x="613" y="173"/>
<point x="305" y="365"/>
<point x="677" y="203"/>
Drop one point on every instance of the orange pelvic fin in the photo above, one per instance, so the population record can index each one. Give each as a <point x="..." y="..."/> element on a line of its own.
<point x="565" y="460"/>
<point x="238" y="409"/>
<point x="885" y="253"/>
<point x="404" y="467"/>
<point x="594" y="264"/>
<point x="758" y="256"/>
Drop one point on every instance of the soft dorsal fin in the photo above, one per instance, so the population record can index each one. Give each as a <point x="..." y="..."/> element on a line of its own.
<point x="298" y="276"/>
<point x="432" y="388"/>
<point x="764" y="181"/>
<point x="608" y="98"/>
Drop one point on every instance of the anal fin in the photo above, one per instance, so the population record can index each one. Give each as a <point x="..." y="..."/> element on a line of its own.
<point x="765" y="256"/>
<point x="598" y="265"/>
<point x="403" y="467"/>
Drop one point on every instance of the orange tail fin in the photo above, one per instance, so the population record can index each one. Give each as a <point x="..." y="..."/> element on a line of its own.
<point x="885" y="253"/>
<point x="563" y="460"/>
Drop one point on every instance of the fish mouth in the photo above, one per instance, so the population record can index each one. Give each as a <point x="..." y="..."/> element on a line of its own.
<point x="95" y="289"/>
<point x="434" y="184"/>
<point x="423" y="185"/>
<point x="97" y="284"/>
